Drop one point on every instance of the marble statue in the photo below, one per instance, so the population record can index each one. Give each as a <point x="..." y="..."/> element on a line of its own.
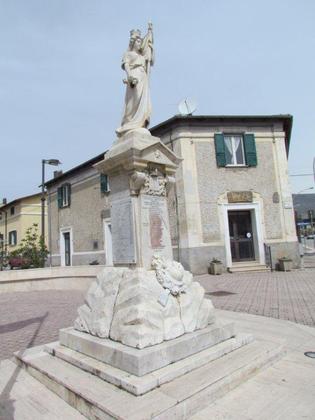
<point x="146" y="297"/>
<point x="137" y="62"/>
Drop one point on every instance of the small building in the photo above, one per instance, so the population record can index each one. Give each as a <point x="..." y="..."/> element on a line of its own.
<point x="79" y="216"/>
<point x="231" y="200"/>
<point x="16" y="217"/>
<point x="304" y="206"/>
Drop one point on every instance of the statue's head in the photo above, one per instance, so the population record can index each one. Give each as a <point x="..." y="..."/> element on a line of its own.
<point x="135" y="39"/>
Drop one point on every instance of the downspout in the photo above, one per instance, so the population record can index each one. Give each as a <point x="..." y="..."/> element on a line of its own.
<point x="6" y="233"/>
<point x="176" y="204"/>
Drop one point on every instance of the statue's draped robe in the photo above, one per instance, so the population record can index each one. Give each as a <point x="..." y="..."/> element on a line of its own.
<point x="137" y="101"/>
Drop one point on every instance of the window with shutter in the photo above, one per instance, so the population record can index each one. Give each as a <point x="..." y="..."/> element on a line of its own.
<point x="235" y="150"/>
<point x="250" y="149"/>
<point x="59" y="197"/>
<point x="104" y="183"/>
<point x="220" y="149"/>
<point x="64" y="196"/>
<point x="13" y="237"/>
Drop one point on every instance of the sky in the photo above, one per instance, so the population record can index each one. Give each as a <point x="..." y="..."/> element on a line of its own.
<point x="61" y="90"/>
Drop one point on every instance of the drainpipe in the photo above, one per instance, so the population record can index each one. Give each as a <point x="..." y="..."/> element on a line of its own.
<point x="6" y="233"/>
<point x="176" y="205"/>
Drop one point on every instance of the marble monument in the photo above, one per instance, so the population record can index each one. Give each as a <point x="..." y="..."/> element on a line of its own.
<point x="146" y="343"/>
<point x="146" y="297"/>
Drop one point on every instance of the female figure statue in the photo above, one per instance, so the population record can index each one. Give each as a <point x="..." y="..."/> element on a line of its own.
<point x="137" y="62"/>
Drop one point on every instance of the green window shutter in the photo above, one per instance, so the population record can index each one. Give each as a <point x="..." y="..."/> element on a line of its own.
<point x="104" y="183"/>
<point x="250" y="149"/>
<point x="220" y="149"/>
<point x="69" y="194"/>
<point x="59" y="197"/>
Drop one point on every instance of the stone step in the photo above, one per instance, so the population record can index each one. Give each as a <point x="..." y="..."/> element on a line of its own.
<point x="141" y="385"/>
<point x="142" y="361"/>
<point x="24" y="398"/>
<point x="180" y="398"/>
<point x="248" y="268"/>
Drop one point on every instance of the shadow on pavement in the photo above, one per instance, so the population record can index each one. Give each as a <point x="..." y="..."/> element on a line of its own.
<point x="13" y="326"/>
<point x="7" y="403"/>
<point x="220" y="293"/>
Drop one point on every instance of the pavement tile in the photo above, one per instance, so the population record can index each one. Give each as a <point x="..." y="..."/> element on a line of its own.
<point x="32" y="318"/>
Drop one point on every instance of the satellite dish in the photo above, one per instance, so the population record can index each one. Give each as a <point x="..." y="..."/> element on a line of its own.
<point x="187" y="106"/>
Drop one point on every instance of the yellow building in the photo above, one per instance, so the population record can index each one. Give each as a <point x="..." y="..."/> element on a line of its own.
<point x="16" y="217"/>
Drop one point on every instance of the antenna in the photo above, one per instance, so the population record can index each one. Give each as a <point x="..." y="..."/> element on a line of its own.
<point x="187" y="106"/>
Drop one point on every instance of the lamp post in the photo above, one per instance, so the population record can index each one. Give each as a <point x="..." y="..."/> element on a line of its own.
<point x="54" y="162"/>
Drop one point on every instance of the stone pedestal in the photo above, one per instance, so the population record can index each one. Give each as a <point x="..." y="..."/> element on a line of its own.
<point x="146" y="298"/>
<point x="141" y="170"/>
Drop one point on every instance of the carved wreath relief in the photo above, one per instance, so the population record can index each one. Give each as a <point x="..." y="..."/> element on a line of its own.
<point x="149" y="182"/>
<point x="154" y="184"/>
<point x="170" y="274"/>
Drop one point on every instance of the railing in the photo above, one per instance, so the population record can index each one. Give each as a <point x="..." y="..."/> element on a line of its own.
<point x="268" y="257"/>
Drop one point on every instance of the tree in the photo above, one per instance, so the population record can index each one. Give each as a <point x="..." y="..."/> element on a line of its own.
<point x="32" y="251"/>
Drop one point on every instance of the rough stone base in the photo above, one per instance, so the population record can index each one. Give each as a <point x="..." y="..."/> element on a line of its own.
<point x="142" y="361"/>
<point x="142" y="308"/>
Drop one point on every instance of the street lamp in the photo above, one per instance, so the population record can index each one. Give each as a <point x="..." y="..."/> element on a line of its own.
<point x="54" y="162"/>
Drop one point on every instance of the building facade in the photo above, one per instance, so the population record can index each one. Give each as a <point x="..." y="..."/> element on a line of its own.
<point x="16" y="217"/>
<point x="79" y="216"/>
<point x="232" y="190"/>
<point x="231" y="200"/>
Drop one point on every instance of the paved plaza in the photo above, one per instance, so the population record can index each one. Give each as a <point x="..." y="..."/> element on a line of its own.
<point x="28" y="319"/>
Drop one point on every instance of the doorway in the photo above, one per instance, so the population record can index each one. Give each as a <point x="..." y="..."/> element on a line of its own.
<point x="241" y="235"/>
<point x="66" y="246"/>
<point x="66" y="236"/>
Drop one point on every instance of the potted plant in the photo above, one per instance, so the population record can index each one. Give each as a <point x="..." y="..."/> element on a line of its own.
<point x="285" y="264"/>
<point x="215" y="267"/>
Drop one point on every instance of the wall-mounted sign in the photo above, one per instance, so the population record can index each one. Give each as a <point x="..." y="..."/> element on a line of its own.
<point x="240" y="197"/>
<point x="275" y="197"/>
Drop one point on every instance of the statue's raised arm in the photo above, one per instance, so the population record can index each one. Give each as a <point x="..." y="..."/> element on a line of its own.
<point x="137" y="62"/>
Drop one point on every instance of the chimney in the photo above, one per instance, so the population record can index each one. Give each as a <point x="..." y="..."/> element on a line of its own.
<point x="4" y="201"/>
<point x="57" y="173"/>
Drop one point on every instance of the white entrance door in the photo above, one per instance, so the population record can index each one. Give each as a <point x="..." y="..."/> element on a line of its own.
<point x="108" y="242"/>
<point x="66" y="247"/>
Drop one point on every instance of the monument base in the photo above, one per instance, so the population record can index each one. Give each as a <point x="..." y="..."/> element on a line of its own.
<point x="140" y="362"/>
<point x="145" y="363"/>
<point x="99" y="391"/>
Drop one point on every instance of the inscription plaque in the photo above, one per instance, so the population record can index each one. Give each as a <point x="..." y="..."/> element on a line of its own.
<point x="240" y="197"/>
<point x="123" y="236"/>
<point x="155" y="206"/>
